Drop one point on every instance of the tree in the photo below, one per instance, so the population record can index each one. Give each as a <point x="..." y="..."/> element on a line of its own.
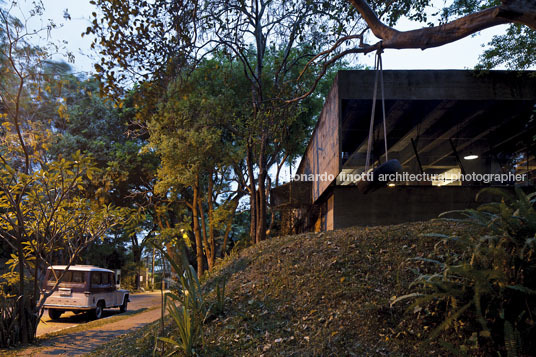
<point x="270" y="40"/>
<point x="98" y="127"/>
<point x="199" y="153"/>
<point x="45" y="214"/>
<point x="521" y="12"/>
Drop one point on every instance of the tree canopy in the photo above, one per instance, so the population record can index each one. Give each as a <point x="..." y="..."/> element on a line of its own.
<point x="283" y="49"/>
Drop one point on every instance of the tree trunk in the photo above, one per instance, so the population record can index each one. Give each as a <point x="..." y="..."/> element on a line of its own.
<point x="22" y="302"/>
<point x="229" y="226"/>
<point x="138" y="283"/>
<point x="261" y="204"/>
<point x="206" y="244"/>
<point x="197" y="233"/>
<point x="253" y="197"/>
<point x="211" y="241"/>
<point x="136" y="255"/>
<point x="279" y="166"/>
<point x="152" y="271"/>
<point x="271" y="211"/>
<point x="261" y="219"/>
<point x="511" y="11"/>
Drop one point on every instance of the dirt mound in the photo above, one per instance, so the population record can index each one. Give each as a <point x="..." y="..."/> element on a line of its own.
<point x="323" y="294"/>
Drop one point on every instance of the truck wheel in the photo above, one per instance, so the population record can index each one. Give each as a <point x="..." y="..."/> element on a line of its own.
<point x="123" y="307"/>
<point x="54" y="314"/>
<point x="98" y="311"/>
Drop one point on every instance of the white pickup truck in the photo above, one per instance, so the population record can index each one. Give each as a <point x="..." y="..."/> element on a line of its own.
<point x="83" y="288"/>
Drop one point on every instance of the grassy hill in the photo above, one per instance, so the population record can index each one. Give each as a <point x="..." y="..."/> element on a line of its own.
<point x="318" y="294"/>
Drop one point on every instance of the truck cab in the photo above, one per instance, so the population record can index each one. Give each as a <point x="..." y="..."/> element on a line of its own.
<point x="83" y="288"/>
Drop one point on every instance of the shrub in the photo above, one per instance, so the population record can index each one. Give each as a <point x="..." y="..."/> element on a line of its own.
<point x="187" y="306"/>
<point x="188" y="311"/>
<point x="10" y="316"/>
<point x="483" y="282"/>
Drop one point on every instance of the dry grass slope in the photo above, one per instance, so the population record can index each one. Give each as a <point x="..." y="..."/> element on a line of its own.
<point x="324" y="294"/>
<point x="316" y="294"/>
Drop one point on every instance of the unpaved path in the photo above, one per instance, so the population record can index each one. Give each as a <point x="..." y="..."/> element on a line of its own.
<point x="79" y="343"/>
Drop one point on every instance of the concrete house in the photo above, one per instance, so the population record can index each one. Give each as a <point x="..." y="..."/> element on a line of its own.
<point x="443" y="123"/>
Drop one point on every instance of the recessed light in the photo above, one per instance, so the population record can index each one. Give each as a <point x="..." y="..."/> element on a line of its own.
<point x="471" y="157"/>
<point x="391" y="185"/>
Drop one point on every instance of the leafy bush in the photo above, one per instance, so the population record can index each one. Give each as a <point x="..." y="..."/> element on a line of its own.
<point x="482" y="283"/>
<point x="187" y="308"/>
<point x="10" y="308"/>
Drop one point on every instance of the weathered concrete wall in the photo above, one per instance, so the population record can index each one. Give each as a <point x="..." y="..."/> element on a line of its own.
<point x="323" y="152"/>
<point x="322" y="155"/>
<point x="398" y="204"/>
<point x="330" y="213"/>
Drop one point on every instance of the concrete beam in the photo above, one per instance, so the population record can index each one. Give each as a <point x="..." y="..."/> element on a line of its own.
<point x="437" y="113"/>
<point x="396" y="112"/>
<point x="440" y="84"/>
<point x="408" y="155"/>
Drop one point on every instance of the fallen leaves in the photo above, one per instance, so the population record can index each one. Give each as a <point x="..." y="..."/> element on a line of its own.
<point x="323" y="294"/>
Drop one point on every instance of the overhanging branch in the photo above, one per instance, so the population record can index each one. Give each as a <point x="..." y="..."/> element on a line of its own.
<point x="511" y="11"/>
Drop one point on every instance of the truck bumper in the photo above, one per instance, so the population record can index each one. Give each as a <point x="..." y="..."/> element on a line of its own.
<point x="67" y="307"/>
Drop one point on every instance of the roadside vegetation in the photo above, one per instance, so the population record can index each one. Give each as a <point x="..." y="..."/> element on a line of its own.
<point x="460" y="286"/>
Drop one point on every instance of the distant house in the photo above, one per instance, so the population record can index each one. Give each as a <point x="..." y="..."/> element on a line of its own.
<point x="443" y="123"/>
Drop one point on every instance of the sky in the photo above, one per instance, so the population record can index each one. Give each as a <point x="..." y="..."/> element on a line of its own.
<point x="461" y="54"/>
<point x="68" y="30"/>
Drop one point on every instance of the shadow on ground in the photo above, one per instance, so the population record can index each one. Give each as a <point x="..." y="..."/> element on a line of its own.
<point x="85" y="317"/>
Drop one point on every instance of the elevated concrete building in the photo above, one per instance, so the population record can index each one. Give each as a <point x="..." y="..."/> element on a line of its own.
<point x="442" y="122"/>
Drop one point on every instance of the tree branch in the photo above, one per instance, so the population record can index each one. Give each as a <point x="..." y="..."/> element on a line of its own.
<point x="511" y="11"/>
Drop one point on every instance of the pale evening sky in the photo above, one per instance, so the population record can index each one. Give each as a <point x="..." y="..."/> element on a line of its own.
<point x="459" y="55"/>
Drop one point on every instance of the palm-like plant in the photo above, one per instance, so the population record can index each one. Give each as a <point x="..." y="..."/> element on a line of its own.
<point x="486" y="277"/>
<point x="187" y="309"/>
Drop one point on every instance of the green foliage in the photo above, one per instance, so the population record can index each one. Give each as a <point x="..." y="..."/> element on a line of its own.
<point x="99" y="127"/>
<point x="516" y="49"/>
<point x="465" y="7"/>
<point x="186" y="306"/>
<point x="10" y="320"/>
<point x="483" y="284"/>
<point x="138" y="40"/>
<point x="47" y="213"/>
<point x="241" y="243"/>
<point x="187" y="309"/>
<point x="219" y="306"/>
<point x="395" y="10"/>
<point x="190" y="129"/>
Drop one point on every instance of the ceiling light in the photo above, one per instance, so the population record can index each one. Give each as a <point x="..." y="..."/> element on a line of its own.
<point x="391" y="185"/>
<point x="471" y="157"/>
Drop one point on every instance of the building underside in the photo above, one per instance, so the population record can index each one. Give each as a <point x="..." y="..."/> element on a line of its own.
<point x="443" y="123"/>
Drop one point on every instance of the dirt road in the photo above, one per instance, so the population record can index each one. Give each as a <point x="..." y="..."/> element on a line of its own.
<point x="82" y="342"/>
